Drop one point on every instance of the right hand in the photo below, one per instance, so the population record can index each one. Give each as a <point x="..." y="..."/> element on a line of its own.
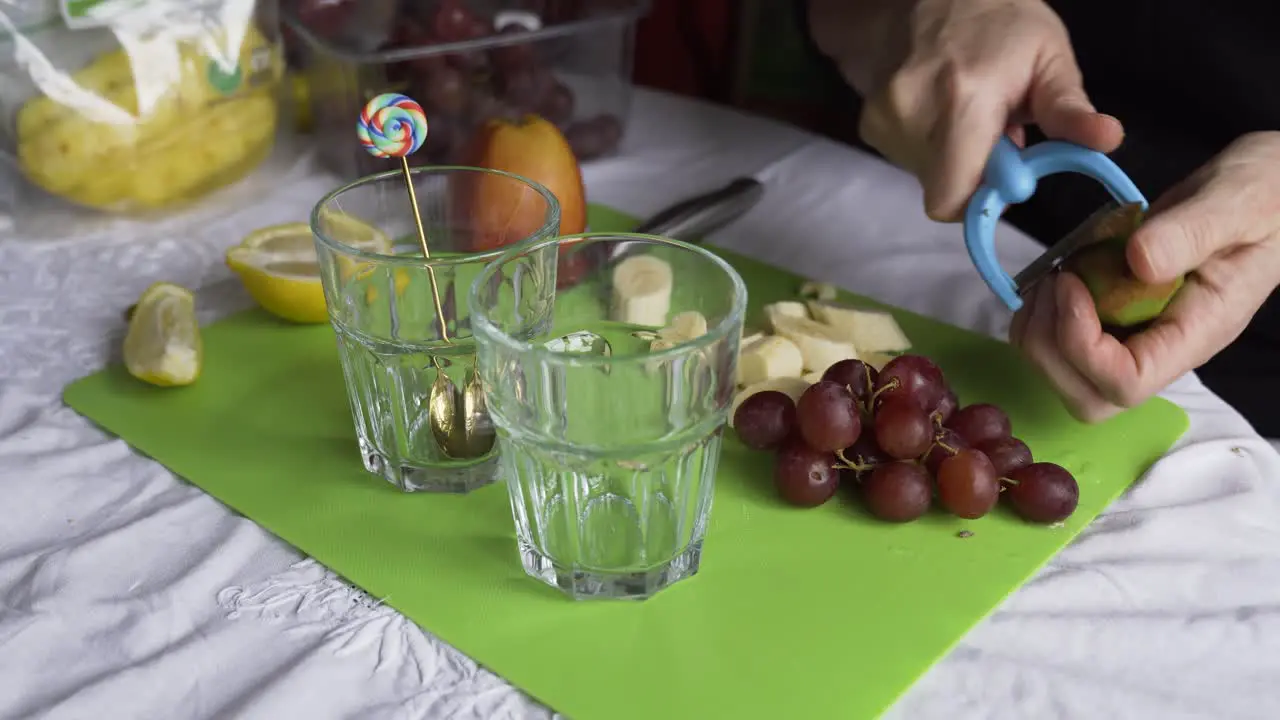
<point x="974" y="69"/>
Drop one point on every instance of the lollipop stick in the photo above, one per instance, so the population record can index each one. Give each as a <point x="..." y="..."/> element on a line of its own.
<point x="426" y="251"/>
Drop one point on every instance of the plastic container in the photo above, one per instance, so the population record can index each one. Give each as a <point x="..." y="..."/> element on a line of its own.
<point x="465" y="61"/>
<point x="134" y="107"/>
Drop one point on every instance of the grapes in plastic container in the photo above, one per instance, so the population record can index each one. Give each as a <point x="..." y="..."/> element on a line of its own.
<point x="466" y="62"/>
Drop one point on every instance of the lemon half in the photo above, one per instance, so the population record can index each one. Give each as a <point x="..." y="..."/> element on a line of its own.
<point x="279" y="267"/>
<point x="162" y="346"/>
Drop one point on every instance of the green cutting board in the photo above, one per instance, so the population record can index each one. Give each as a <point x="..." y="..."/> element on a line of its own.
<point x="820" y="613"/>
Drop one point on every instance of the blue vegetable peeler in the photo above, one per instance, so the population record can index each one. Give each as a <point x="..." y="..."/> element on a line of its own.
<point x="1010" y="178"/>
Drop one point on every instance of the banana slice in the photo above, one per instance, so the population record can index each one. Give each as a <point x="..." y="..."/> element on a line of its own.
<point x="792" y="387"/>
<point x="767" y="358"/>
<point x="818" y="290"/>
<point x="820" y="345"/>
<point x="868" y="330"/>
<point x="812" y="377"/>
<point x="747" y="342"/>
<point x="784" y="309"/>
<point x="642" y="291"/>
<point x="877" y="360"/>
<point x="684" y="327"/>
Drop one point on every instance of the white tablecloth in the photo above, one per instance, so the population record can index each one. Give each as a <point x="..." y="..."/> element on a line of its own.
<point x="127" y="593"/>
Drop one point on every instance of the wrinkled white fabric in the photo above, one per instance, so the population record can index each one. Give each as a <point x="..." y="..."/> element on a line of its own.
<point x="127" y="593"/>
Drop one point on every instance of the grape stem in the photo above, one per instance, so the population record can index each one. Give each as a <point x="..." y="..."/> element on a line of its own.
<point x="847" y="464"/>
<point x="893" y="384"/>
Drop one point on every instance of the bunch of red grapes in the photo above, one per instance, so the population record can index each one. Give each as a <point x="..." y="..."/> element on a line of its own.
<point x="461" y="90"/>
<point x="900" y="438"/>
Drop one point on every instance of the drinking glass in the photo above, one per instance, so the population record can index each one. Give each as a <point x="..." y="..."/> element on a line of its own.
<point x="609" y="441"/>
<point x="379" y="292"/>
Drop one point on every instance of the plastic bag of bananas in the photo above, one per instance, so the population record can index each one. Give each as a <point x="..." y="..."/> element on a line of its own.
<point x="132" y="106"/>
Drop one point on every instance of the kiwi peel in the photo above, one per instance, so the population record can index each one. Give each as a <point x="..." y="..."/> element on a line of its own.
<point x="1122" y="299"/>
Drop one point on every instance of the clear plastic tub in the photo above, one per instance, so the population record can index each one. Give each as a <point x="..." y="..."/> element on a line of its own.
<point x="133" y="107"/>
<point x="465" y="61"/>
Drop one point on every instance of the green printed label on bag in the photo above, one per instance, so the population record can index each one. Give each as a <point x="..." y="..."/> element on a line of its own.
<point x="223" y="81"/>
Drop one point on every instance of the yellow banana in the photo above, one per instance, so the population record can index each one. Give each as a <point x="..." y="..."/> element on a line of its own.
<point x="191" y="139"/>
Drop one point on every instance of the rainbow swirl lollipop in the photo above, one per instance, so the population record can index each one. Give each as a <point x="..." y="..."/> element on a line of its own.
<point x="392" y="125"/>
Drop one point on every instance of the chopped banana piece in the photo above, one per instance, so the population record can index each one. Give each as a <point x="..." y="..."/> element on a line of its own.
<point x="792" y="387"/>
<point x="813" y="377"/>
<point x="820" y="345"/>
<point x="769" y="357"/>
<point x="685" y="326"/>
<point x="786" y="308"/>
<point x="818" y="290"/>
<point x="642" y="291"/>
<point x="869" y="330"/>
<point x="747" y="340"/>
<point x="878" y="360"/>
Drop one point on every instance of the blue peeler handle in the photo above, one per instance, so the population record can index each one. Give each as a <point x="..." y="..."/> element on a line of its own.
<point x="1010" y="178"/>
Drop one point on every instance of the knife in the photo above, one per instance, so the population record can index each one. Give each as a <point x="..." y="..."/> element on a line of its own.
<point x="696" y="217"/>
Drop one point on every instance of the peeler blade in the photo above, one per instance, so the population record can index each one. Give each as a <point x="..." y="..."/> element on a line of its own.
<point x="1109" y="221"/>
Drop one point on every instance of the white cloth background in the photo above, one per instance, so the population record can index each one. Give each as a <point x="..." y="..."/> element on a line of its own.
<point x="127" y="593"/>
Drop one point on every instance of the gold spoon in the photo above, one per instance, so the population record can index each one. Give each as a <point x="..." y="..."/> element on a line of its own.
<point x="459" y="419"/>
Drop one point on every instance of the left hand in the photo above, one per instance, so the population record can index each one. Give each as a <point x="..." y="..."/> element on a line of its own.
<point x="1220" y="226"/>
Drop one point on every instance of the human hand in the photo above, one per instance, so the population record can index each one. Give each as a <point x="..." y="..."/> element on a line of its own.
<point x="1221" y="226"/>
<point x="974" y="69"/>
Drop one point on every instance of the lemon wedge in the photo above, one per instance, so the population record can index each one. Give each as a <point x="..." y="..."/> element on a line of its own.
<point x="162" y="345"/>
<point x="279" y="267"/>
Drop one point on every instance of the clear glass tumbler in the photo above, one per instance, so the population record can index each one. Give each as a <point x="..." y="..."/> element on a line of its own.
<point x="403" y="329"/>
<point x="609" y="396"/>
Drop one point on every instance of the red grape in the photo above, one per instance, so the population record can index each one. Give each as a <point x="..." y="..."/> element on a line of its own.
<point x="803" y="476"/>
<point x="1007" y="454"/>
<point x="445" y="90"/>
<point x="525" y="87"/>
<point x="609" y="127"/>
<point x="1043" y="493"/>
<point x="325" y="18"/>
<point x="903" y="429"/>
<point x="865" y="454"/>
<point x="856" y="375"/>
<point x="828" y="416"/>
<point x="914" y="377"/>
<point x="557" y="105"/>
<point x="946" y="406"/>
<point x="765" y="419"/>
<point x="510" y="57"/>
<point x="968" y="486"/>
<point x="897" y="492"/>
<point x="979" y="423"/>
<point x="595" y="137"/>
<point x="945" y="444"/>
<point x="454" y="22"/>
